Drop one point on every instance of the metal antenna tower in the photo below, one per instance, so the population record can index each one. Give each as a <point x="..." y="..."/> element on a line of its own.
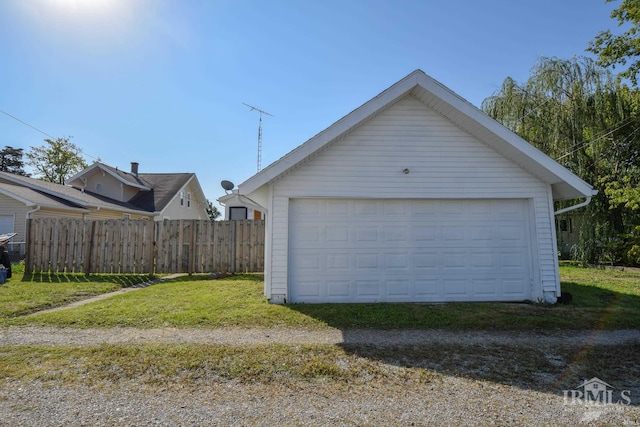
<point x="259" y="132"/>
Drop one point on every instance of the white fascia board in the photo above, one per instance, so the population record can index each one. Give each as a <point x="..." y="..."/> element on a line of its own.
<point x="27" y="202"/>
<point x="535" y="159"/>
<point x="512" y="146"/>
<point x="240" y="200"/>
<point x="342" y="126"/>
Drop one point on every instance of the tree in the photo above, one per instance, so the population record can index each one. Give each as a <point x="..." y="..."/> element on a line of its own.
<point x="579" y="114"/>
<point x="11" y="160"/>
<point x="57" y="161"/>
<point x="213" y="211"/>
<point x="615" y="50"/>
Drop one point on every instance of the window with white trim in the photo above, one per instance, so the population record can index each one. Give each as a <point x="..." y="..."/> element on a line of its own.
<point x="188" y="200"/>
<point x="182" y="198"/>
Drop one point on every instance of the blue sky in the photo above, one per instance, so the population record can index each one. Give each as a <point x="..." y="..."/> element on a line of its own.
<point x="163" y="82"/>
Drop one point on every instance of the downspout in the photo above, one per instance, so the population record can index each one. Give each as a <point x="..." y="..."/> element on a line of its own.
<point x="579" y="205"/>
<point x="34" y="210"/>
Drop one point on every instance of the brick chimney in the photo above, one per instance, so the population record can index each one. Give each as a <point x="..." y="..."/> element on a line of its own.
<point x="134" y="168"/>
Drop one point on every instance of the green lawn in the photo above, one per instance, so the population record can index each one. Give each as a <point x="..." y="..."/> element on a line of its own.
<point x="23" y="295"/>
<point x="601" y="299"/>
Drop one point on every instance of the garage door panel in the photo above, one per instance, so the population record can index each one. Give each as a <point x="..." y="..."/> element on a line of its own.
<point x="308" y="290"/>
<point x="455" y="260"/>
<point x="427" y="289"/>
<point x="485" y="261"/>
<point x="338" y="261"/>
<point x="309" y="262"/>
<point x="408" y="250"/>
<point x="513" y="260"/>
<point x="426" y="261"/>
<point x="338" y="208"/>
<point x="366" y="234"/>
<point x="398" y="288"/>
<point x="338" y="288"/>
<point x="367" y="261"/>
<point x="486" y="288"/>
<point x="337" y="235"/>
<point x="396" y="261"/>
<point x="455" y="288"/>
<point x="368" y="288"/>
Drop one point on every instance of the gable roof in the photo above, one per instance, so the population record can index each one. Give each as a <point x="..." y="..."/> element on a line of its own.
<point x="156" y="190"/>
<point x="164" y="187"/>
<point x="122" y="176"/>
<point x="565" y="185"/>
<point x="50" y="194"/>
<point x="31" y="197"/>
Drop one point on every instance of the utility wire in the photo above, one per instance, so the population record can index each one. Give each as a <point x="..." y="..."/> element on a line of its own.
<point x="41" y="131"/>
<point x="27" y="124"/>
<point x="579" y="145"/>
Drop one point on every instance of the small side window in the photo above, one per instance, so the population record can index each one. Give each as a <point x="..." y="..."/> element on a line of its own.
<point x="237" y="213"/>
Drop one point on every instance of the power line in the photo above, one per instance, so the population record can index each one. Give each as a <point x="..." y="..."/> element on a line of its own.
<point x="26" y="124"/>
<point x="579" y="145"/>
<point x="42" y="132"/>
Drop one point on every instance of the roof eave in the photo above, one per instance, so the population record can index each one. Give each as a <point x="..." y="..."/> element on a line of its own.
<point x="455" y="108"/>
<point x="48" y="191"/>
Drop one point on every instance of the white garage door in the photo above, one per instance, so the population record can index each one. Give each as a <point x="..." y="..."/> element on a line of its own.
<point x="408" y="250"/>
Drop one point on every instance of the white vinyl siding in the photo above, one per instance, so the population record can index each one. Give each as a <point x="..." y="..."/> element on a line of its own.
<point x="18" y="210"/>
<point x="444" y="162"/>
<point x="177" y="208"/>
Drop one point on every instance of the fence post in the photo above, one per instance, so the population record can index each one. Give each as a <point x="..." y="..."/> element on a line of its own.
<point x="88" y="263"/>
<point x="28" y="262"/>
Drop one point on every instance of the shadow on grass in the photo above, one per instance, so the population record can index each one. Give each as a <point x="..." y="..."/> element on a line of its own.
<point x="124" y="280"/>
<point x="591" y="308"/>
<point x="544" y="368"/>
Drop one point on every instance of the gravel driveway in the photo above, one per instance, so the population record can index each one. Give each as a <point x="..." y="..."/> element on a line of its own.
<point x="446" y="400"/>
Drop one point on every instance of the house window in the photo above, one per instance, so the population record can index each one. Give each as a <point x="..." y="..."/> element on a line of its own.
<point x="182" y="198"/>
<point x="98" y="188"/>
<point x="188" y="200"/>
<point x="6" y="224"/>
<point x="237" y="213"/>
<point x="126" y="216"/>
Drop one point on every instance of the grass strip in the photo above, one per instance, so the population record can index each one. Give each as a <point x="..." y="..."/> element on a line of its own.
<point x="542" y="368"/>
<point x="602" y="299"/>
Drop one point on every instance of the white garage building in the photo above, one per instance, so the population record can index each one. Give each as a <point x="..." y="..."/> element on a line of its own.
<point x="416" y="196"/>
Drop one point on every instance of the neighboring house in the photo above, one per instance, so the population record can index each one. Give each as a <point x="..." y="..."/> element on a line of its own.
<point x="236" y="207"/>
<point x="100" y="192"/>
<point x="568" y="228"/>
<point x="416" y="196"/>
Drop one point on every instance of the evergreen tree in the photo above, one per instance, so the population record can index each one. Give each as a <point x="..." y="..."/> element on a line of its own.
<point x="11" y="160"/>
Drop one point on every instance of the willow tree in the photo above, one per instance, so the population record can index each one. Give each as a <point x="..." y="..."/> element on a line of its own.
<point x="580" y="115"/>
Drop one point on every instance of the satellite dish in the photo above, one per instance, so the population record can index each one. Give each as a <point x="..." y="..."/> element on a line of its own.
<point x="227" y="185"/>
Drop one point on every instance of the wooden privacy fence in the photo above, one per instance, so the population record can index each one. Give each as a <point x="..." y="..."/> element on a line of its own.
<point x="141" y="246"/>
